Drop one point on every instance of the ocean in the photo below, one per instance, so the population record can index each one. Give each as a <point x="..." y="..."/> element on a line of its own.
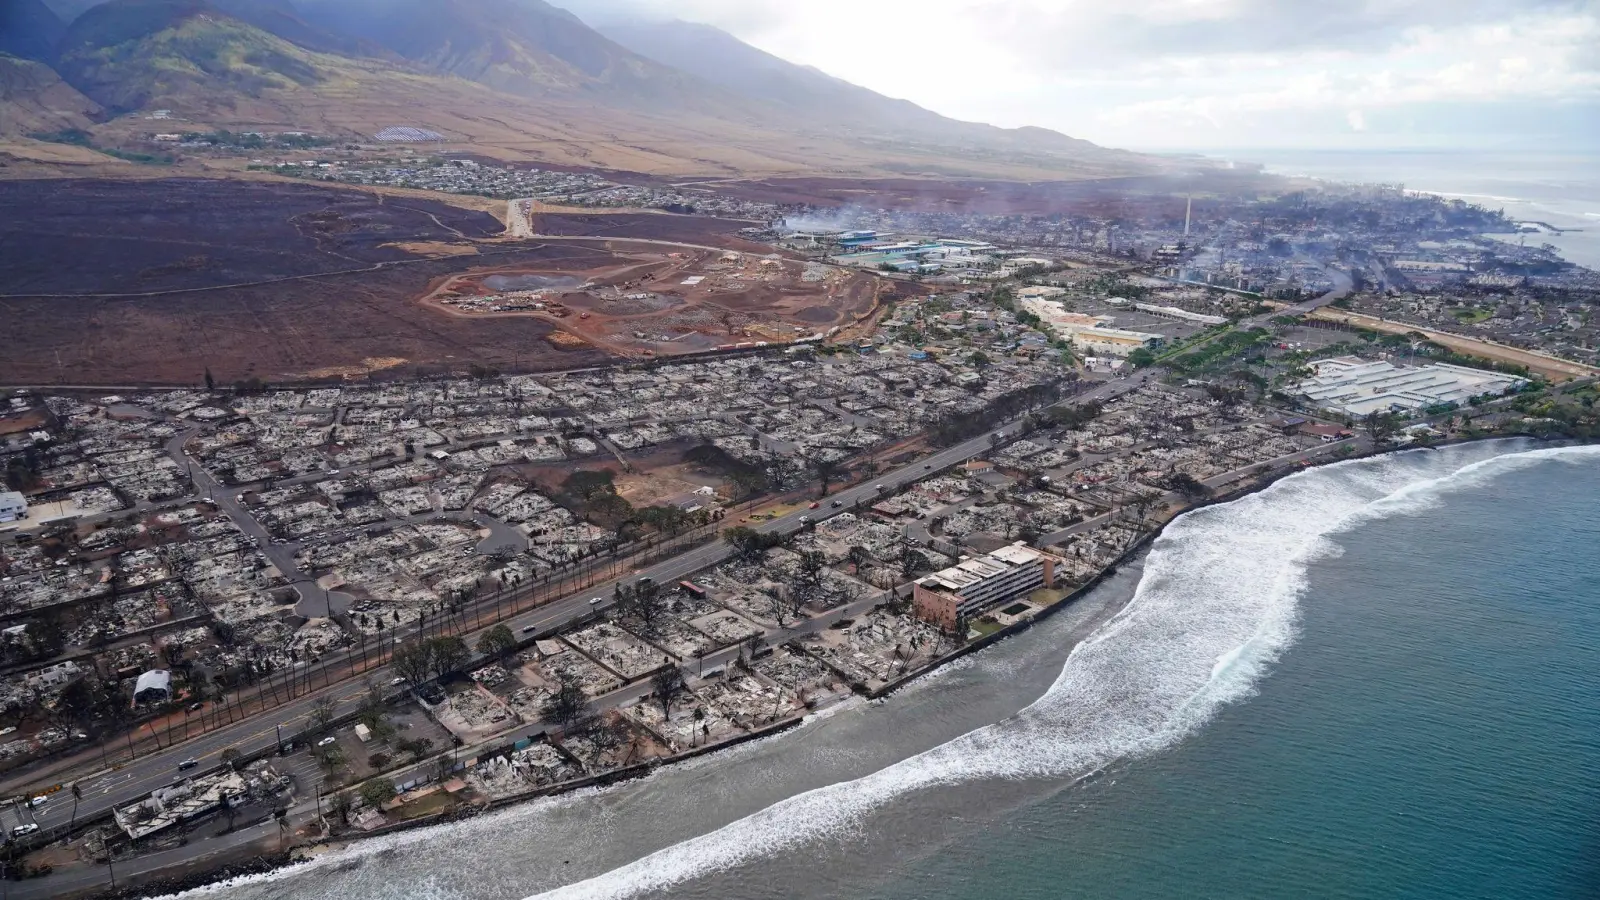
<point x="1374" y="679"/>
<point x="1558" y="188"/>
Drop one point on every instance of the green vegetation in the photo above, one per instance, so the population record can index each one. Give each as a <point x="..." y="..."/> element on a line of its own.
<point x="1222" y="350"/>
<point x="497" y="641"/>
<point x="255" y="140"/>
<point x="77" y="137"/>
<point x="749" y="543"/>
<point x="377" y="792"/>
<point x="417" y="661"/>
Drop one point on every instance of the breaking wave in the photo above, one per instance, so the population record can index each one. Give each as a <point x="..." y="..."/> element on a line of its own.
<point x="1216" y="606"/>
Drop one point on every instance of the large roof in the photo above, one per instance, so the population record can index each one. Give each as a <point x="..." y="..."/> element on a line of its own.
<point x="155" y="679"/>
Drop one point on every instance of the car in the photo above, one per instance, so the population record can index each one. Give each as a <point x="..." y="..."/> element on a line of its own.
<point x="187" y="764"/>
<point x="838" y="503"/>
<point x="804" y="521"/>
<point x="877" y="487"/>
<point x="927" y="466"/>
<point x="26" y="828"/>
<point x="40" y="800"/>
<point x="593" y="601"/>
<point x="196" y="707"/>
<point x="333" y="471"/>
<point x="529" y="629"/>
<point x="329" y="740"/>
<point x="813" y="505"/>
<point x="397" y="682"/>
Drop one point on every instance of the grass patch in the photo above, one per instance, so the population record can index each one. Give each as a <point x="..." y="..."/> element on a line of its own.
<point x="1047" y="596"/>
<point x="434" y="803"/>
<point x="984" y="629"/>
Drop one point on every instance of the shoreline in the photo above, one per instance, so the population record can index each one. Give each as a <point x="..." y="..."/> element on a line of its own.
<point x="227" y="865"/>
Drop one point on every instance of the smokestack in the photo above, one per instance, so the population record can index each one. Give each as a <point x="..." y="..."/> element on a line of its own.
<point x="1188" y="207"/>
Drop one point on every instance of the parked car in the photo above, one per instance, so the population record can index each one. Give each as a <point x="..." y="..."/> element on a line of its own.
<point x="330" y="739"/>
<point x="397" y="682"/>
<point x="196" y="707"/>
<point x="24" y="829"/>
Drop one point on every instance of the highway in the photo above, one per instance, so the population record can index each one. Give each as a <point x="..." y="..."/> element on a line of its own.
<point x="136" y="779"/>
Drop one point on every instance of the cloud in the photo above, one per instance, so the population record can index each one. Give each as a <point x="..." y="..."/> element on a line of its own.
<point x="1144" y="72"/>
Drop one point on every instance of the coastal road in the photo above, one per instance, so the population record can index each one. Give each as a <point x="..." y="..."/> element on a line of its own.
<point x="136" y="779"/>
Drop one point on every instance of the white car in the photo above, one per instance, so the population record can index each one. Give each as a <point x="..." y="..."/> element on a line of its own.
<point x="397" y="682"/>
<point x="330" y="739"/>
<point x="40" y="800"/>
<point x="595" y="601"/>
<point x="25" y="828"/>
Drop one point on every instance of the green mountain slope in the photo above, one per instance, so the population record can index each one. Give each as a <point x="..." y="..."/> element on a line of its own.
<point x="132" y="54"/>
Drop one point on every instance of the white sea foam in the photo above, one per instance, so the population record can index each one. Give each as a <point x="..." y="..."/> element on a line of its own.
<point x="1216" y="606"/>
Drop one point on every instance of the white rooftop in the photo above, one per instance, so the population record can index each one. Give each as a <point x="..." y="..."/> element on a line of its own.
<point x="1359" y="387"/>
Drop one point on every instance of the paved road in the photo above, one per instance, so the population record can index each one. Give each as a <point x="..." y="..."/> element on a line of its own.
<point x="136" y="779"/>
<point x="1342" y="285"/>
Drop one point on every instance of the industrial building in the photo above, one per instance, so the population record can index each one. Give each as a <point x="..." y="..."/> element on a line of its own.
<point x="976" y="584"/>
<point x="1174" y="312"/>
<point x="1357" y="387"/>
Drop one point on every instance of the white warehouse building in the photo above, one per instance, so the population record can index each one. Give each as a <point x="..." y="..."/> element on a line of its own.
<point x="1358" y="387"/>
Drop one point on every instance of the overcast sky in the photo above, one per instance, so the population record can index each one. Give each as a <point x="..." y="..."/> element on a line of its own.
<point x="1200" y="74"/>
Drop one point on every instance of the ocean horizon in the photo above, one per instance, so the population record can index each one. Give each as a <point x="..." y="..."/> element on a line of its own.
<point x="1560" y="188"/>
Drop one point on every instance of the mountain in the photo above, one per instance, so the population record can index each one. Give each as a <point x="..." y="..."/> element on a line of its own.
<point x="811" y="95"/>
<point x="29" y="29"/>
<point x="284" y="19"/>
<point x="523" y="47"/>
<point x="67" y="10"/>
<point x="523" y="80"/>
<point x="128" y="55"/>
<point x="33" y="98"/>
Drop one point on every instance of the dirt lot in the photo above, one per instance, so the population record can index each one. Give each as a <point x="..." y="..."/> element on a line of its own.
<point x="154" y="282"/>
<point x="649" y="300"/>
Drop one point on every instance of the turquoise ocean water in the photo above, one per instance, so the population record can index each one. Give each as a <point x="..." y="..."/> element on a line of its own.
<point x="1433" y="732"/>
